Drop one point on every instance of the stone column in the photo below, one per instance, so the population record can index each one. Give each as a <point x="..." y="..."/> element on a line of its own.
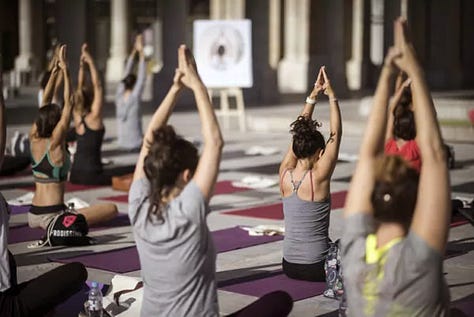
<point x="274" y="30"/>
<point x="376" y="32"/>
<point x="354" y="65"/>
<point x="25" y="63"/>
<point x="404" y="8"/>
<point x="296" y="48"/>
<point x="119" y="41"/>
<point x="227" y="9"/>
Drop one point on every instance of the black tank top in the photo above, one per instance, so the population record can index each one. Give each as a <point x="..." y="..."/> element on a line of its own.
<point x="88" y="150"/>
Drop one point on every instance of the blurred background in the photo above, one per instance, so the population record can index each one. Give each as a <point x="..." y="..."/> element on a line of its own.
<point x="291" y="39"/>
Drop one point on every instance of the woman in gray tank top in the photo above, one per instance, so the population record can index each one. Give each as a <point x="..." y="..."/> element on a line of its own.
<point x="305" y="174"/>
<point x="168" y="208"/>
<point x="396" y="224"/>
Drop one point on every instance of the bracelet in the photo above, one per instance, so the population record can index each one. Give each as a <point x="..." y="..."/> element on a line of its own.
<point x="310" y="100"/>
<point x="333" y="99"/>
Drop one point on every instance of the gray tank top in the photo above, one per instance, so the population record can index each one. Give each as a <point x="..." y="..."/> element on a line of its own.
<point x="306" y="228"/>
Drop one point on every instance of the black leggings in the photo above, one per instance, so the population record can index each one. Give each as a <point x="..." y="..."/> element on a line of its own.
<point x="307" y="272"/>
<point x="41" y="295"/>
<point x="274" y="304"/>
<point x="85" y="177"/>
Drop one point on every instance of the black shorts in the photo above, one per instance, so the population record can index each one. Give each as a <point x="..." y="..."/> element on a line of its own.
<point x="313" y="272"/>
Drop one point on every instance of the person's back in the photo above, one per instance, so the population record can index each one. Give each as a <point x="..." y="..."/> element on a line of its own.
<point x="305" y="175"/>
<point x="127" y="101"/>
<point x="129" y="121"/>
<point x="396" y="219"/>
<point x="184" y="284"/>
<point x="306" y="229"/>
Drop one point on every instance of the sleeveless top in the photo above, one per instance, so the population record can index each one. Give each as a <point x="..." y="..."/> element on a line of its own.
<point x="306" y="227"/>
<point x="409" y="151"/>
<point x="88" y="151"/>
<point x="44" y="171"/>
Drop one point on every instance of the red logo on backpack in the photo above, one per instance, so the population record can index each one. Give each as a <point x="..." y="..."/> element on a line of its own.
<point x="69" y="220"/>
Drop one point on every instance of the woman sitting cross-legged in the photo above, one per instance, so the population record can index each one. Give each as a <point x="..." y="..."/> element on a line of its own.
<point x="51" y="160"/>
<point x="38" y="296"/>
<point x="305" y="175"/>
<point x="396" y="220"/>
<point x="168" y="207"/>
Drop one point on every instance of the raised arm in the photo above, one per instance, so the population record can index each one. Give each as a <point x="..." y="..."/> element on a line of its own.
<point x="358" y="198"/>
<point x="96" y="107"/>
<point x="208" y="166"/>
<point x="432" y="211"/>
<point x="159" y="118"/>
<point x="50" y="88"/>
<point x="59" y="133"/>
<point x="127" y="71"/>
<point x="141" y="74"/>
<point x="3" y="126"/>
<point x="289" y="160"/>
<point x="327" y="162"/>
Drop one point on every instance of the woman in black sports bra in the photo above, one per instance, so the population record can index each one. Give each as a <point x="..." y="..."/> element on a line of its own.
<point x="51" y="161"/>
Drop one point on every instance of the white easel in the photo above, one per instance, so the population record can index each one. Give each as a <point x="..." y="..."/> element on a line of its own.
<point x="224" y="105"/>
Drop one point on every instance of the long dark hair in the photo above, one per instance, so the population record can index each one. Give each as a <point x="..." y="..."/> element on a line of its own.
<point x="48" y="117"/>
<point x="395" y="190"/>
<point x="169" y="155"/>
<point x="85" y="99"/>
<point x="403" y="118"/>
<point x="306" y="137"/>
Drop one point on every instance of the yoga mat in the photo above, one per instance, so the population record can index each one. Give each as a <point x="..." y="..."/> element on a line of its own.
<point x="298" y="290"/>
<point x="275" y="211"/>
<point x="116" y="199"/>
<point x="19" y="209"/>
<point x="23" y="233"/>
<point x="458" y="220"/>
<point x="69" y="187"/>
<point x="222" y="187"/>
<point x="126" y="259"/>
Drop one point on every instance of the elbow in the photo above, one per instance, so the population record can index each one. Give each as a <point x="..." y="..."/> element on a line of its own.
<point x="218" y="141"/>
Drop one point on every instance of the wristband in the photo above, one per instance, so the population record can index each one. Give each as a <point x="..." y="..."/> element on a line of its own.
<point x="310" y="100"/>
<point x="333" y="99"/>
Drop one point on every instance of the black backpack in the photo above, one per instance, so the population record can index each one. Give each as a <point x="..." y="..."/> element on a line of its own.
<point x="66" y="228"/>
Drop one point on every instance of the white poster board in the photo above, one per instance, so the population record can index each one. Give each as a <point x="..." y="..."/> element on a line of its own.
<point x="223" y="52"/>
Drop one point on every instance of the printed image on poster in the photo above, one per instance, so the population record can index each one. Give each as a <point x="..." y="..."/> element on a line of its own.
<point x="223" y="52"/>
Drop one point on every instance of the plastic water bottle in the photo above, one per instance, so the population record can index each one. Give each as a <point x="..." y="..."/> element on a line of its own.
<point x="94" y="301"/>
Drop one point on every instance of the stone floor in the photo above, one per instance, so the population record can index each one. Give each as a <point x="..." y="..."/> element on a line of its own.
<point x="266" y="127"/>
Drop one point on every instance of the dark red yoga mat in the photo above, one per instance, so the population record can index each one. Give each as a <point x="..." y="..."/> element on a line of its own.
<point x="275" y="281"/>
<point x="222" y="187"/>
<point x="71" y="187"/>
<point x="275" y="211"/>
<point x="126" y="259"/>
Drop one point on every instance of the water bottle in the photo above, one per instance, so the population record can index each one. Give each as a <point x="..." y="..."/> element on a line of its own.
<point x="94" y="301"/>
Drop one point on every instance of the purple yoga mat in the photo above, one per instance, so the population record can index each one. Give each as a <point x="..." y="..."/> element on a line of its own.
<point x="22" y="233"/>
<point x="126" y="259"/>
<point x="19" y="209"/>
<point x="298" y="290"/>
